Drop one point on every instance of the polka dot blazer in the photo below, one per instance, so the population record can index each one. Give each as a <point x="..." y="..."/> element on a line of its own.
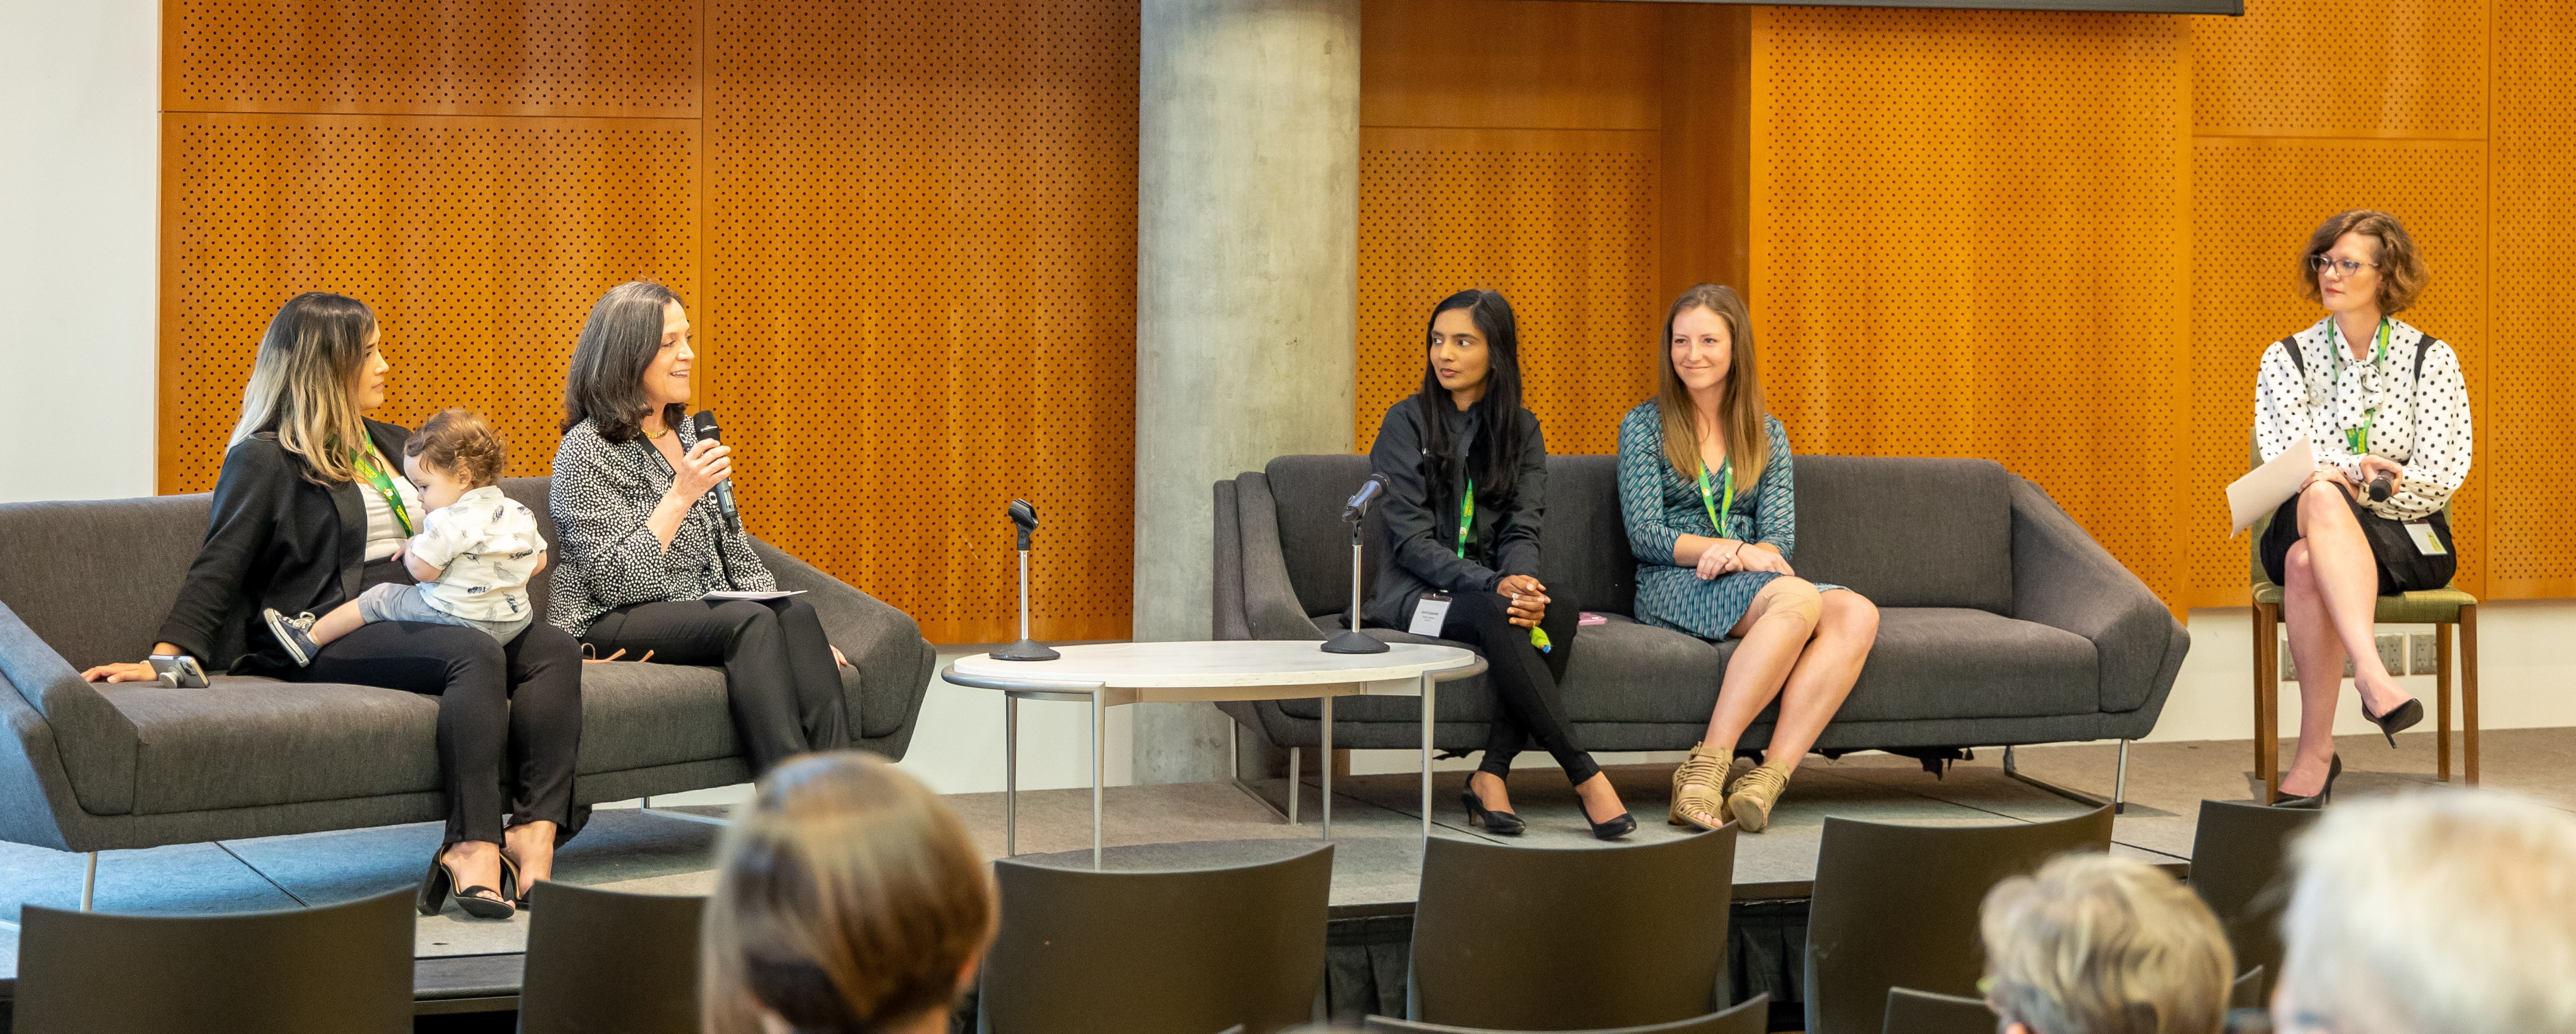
<point x="2423" y="424"/>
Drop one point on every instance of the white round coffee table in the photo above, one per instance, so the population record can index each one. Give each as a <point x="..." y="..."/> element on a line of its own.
<point x="1106" y="675"/>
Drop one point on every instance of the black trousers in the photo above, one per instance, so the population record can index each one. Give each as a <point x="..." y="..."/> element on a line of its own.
<point x="509" y="717"/>
<point x="1528" y="706"/>
<point x="784" y="689"/>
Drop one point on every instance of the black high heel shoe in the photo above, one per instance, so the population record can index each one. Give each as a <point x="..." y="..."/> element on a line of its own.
<point x="441" y="881"/>
<point x="2321" y="798"/>
<point x="1499" y="823"/>
<point x="1619" y="826"/>
<point x="513" y="888"/>
<point x="2405" y="716"/>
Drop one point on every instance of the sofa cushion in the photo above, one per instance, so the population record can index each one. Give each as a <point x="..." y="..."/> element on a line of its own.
<point x="1309" y="492"/>
<point x="1583" y="547"/>
<point x="1908" y="532"/>
<point x="95" y="579"/>
<point x="243" y="742"/>
<point x="1955" y="662"/>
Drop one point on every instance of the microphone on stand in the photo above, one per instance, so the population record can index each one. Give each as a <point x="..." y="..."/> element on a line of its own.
<point x="1025" y="517"/>
<point x="704" y="425"/>
<point x="1355" y="513"/>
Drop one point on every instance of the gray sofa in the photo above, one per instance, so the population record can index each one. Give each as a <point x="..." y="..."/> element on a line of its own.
<point x="2001" y="621"/>
<point x="91" y="767"/>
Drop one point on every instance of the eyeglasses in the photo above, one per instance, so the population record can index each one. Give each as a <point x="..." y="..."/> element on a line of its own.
<point x="2340" y="268"/>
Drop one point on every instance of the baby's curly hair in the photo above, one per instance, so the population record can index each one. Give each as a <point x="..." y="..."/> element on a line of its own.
<point x="462" y="443"/>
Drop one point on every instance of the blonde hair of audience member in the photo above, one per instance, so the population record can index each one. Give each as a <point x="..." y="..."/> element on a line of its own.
<point x="2094" y="944"/>
<point x="2450" y="912"/>
<point x="848" y="899"/>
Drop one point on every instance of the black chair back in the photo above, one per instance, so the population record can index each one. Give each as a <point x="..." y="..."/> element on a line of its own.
<point x="1527" y="938"/>
<point x="2236" y="854"/>
<point x="1921" y="1012"/>
<point x="1896" y="906"/>
<point x="340" y="969"/>
<point x="602" y="960"/>
<point x="1173" y="952"/>
<point x="1749" y="1017"/>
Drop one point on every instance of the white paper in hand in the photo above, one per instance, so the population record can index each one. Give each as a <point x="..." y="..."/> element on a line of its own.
<point x="2264" y="489"/>
<point x="755" y="596"/>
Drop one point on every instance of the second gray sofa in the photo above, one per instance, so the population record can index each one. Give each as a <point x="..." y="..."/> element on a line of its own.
<point x="90" y="767"/>
<point x="2001" y="621"/>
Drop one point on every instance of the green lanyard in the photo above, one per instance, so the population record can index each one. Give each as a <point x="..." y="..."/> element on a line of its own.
<point x="384" y="485"/>
<point x="2358" y="438"/>
<point x="1725" y="473"/>
<point x="1466" y="528"/>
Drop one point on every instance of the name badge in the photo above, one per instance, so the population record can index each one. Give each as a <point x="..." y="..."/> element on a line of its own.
<point x="1429" y="614"/>
<point x="2426" y="542"/>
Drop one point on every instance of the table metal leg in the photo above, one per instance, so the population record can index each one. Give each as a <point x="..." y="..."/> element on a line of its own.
<point x="1010" y="776"/>
<point x="1327" y="768"/>
<point x="1427" y="685"/>
<point x="1099" y="707"/>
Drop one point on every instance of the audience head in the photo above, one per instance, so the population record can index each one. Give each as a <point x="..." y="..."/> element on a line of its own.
<point x="455" y="452"/>
<point x="316" y="372"/>
<point x="2389" y="274"/>
<point x="632" y="358"/>
<point x="2094" y="944"/>
<point x="1472" y="349"/>
<point x="2449" y="912"/>
<point x="847" y="899"/>
<point x="1708" y="350"/>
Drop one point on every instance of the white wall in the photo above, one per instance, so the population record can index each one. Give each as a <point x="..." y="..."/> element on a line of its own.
<point x="79" y="201"/>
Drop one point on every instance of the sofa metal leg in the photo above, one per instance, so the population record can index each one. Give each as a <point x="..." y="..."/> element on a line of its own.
<point x="89" y="882"/>
<point x="2119" y="783"/>
<point x="1296" y="781"/>
<point x="645" y="805"/>
<point x="1234" y="757"/>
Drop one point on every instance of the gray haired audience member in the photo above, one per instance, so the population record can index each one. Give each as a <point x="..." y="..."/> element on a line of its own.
<point x="2432" y="913"/>
<point x="2094" y="944"/>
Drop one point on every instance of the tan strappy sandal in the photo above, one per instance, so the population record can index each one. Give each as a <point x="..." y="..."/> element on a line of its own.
<point x="1707" y="770"/>
<point x="1749" y="804"/>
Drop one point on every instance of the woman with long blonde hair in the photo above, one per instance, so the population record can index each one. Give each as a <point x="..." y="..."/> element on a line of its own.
<point x="848" y="898"/>
<point x="1707" y="493"/>
<point x="310" y="510"/>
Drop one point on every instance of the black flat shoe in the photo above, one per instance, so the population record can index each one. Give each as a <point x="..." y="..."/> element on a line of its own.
<point x="478" y="901"/>
<point x="2406" y="716"/>
<point x="1499" y="823"/>
<point x="2321" y="798"/>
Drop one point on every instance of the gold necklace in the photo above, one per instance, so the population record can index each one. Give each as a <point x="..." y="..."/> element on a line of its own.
<point x="657" y="435"/>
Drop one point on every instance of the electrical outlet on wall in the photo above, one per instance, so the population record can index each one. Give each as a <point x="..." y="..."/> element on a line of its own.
<point x="2392" y="656"/>
<point x="2392" y="652"/>
<point x="2419" y="652"/>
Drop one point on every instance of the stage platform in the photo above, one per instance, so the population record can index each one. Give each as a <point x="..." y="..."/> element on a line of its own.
<point x="467" y="965"/>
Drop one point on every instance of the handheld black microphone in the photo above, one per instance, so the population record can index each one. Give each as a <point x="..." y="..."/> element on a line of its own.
<point x="705" y="425"/>
<point x="2381" y="488"/>
<point x="1026" y="516"/>
<point x="1358" y="505"/>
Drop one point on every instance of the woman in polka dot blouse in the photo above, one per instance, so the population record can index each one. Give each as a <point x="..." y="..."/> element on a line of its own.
<point x="2387" y="412"/>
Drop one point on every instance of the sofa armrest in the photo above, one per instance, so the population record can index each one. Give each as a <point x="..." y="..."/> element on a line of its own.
<point x="2064" y="579"/>
<point x="883" y="643"/>
<point x="1225" y="594"/>
<point x="1270" y="606"/>
<point x="97" y="744"/>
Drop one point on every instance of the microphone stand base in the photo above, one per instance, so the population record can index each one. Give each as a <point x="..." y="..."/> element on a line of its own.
<point x="1024" y="650"/>
<point x="1354" y="642"/>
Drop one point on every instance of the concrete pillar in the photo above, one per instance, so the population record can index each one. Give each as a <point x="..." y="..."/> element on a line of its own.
<point x="1247" y="293"/>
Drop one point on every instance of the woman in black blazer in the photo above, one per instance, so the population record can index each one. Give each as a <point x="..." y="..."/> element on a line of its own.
<point x="303" y="524"/>
<point x="1466" y="476"/>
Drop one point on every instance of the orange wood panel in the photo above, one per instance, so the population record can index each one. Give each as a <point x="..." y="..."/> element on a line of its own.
<point x="1969" y="238"/>
<point x="456" y="57"/>
<point x="921" y="296"/>
<point x="1562" y="222"/>
<point x="1708" y="78"/>
<point x="2254" y="203"/>
<point x="2526" y="423"/>
<point x="479" y="242"/>
<point x="2353" y="68"/>
<point x="1523" y="64"/>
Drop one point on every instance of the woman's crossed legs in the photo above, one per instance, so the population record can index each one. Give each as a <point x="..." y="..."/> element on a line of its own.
<point x="2329" y="603"/>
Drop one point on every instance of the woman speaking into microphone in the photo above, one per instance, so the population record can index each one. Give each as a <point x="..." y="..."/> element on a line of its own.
<point x="641" y="540"/>
<point x="2384" y="406"/>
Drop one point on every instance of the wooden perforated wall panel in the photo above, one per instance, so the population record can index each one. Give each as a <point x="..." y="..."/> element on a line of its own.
<point x="2526" y="423"/>
<point x="1969" y="234"/>
<point x="921" y="275"/>
<point x="1475" y="171"/>
<point x="905" y="231"/>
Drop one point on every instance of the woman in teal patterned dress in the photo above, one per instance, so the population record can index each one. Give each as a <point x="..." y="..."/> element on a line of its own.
<point x="1800" y="642"/>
